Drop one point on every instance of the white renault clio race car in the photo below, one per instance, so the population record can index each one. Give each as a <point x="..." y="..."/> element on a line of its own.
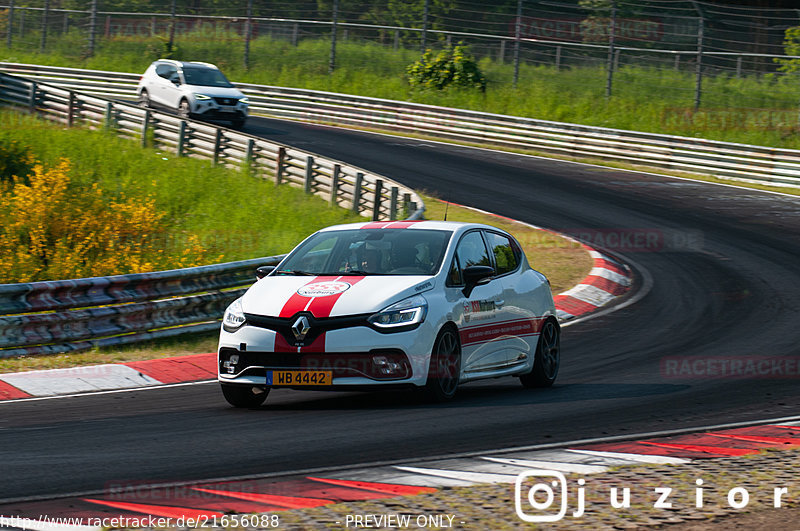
<point x="421" y="304"/>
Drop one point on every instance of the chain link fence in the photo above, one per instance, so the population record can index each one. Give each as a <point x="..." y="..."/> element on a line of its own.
<point x="701" y="39"/>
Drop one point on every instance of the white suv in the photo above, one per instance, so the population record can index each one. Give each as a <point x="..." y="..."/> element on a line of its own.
<point x="194" y="90"/>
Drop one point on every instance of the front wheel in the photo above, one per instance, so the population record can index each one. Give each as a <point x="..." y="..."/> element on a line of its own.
<point x="445" y="367"/>
<point x="238" y="123"/>
<point x="244" y="395"/>
<point x="547" y="360"/>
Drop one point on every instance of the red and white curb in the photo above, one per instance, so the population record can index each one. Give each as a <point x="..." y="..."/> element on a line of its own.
<point x="270" y="495"/>
<point x="607" y="280"/>
<point x="53" y="382"/>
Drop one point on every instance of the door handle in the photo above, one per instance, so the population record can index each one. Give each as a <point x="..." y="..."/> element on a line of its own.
<point x="500" y="303"/>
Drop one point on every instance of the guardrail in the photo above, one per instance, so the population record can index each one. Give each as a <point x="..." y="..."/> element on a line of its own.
<point x="70" y="315"/>
<point x="760" y="164"/>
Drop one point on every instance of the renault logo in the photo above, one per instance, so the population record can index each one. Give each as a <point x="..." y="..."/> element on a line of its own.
<point x="300" y="328"/>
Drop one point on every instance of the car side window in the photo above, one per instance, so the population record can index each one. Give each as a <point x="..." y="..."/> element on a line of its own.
<point x="471" y="250"/>
<point x="503" y="249"/>
<point x="164" y="71"/>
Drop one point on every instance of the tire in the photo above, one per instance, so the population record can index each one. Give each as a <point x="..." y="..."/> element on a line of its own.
<point x="144" y="99"/>
<point x="244" y="396"/>
<point x="548" y="358"/>
<point x="238" y="124"/>
<point x="183" y="110"/>
<point x="444" y="373"/>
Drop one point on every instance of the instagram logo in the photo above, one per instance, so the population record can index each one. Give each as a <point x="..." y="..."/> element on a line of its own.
<point x="532" y="500"/>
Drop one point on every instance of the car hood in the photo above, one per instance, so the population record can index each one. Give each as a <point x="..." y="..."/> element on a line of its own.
<point x="220" y="92"/>
<point x="330" y="296"/>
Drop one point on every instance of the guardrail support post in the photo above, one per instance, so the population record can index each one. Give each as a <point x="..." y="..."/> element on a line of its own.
<point x="393" y="203"/>
<point x="248" y="154"/>
<point x="406" y="202"/>
<point x="181" y="138"/>
<point x="10" y="24"/>
<point x="217" y="145"/>
<point x="145" y="126"/>
<point x="337" y="170"/>
<point x="376" y="202"/>
<point x="279" y="165"/>
<point x="357" y="192"/>
<point x="32" y="96"/>
<point x="309" y="183"/>
<point x="558" y="58"/>
<point x="71" y="109"/>
<point x="109" y="120"/>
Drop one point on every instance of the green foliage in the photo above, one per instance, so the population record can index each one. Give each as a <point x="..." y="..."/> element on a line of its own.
<point x="791" y="46"/>
<point x="16" y="161"/>
<point x="452" y="67"/>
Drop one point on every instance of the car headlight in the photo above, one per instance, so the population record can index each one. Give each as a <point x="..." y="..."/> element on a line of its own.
<point x="234" y="316"/>
<point x="201" y="97"/>
<point x="244" y="100"/>
<point x="407" y="313"/>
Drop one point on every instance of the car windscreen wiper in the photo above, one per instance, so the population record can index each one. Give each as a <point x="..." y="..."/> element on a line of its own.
<point x="356" y="272"/>
<point x="295" y="272"/>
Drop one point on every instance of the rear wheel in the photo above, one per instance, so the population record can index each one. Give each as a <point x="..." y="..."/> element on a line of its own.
<point x="144" y="99"/>
<point x="548" y="358"/>
<point x="244" y="395"/>
<point x="445" y="368"/>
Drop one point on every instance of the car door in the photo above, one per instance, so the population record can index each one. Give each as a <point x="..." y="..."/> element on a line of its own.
<point x="158" y="84"/>
<point x="482" y="348"/>
<point x="516" y="311"/>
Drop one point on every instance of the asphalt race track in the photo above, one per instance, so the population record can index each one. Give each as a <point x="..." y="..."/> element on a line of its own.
<point x="731" y="293"/>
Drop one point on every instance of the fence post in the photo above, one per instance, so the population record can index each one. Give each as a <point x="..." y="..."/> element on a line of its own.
<point x="357" y="192"/>
<point x="32" y="96"/>
<point x="217" y="145"/>
<point x="698" y="85"/>
<point x="279" y="160"/>
<point x="612" y="28"/>
<point x="376" y="202"/>
<point x="145" y="126"/>
<point x="152" y="26"/>
<point x="517" y="35"/>
<point x="738" y="67"/>
<point x="393" y="203"/>
<point x="10" y="30"/>
<point x="92" y="27"/>
<point x="22" y="24"/>
<point x="558" y="58"/>
<point x="502" y="55"/>
<point x="45" y="15"/>
<point x="65" y="27"/>
<point x="309" y="181"/>
<point x="248" y="29"/>
<point x="171" y="43"/>
<point x="425" y="14"/>
<point x="181" y="138"/>
<point x="248" y="154"/>
<point x="332" y="60"/>
<point x="337" y="170"/>
<point x="109" y="118"/>
<point x="70" y="109"/>
<point x="295" y="29"/>
<point x="396" y="43"/>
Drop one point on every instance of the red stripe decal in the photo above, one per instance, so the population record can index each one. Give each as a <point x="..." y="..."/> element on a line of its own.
<point x="158" y="510"/>
<point x="323" y="306"/>
<point x="281" y="345"/>
<point x="297" y="302"/>
<point x="771" y="441"/>
<point x="403" y="224"/>
<point x="387" y="488"/>
<point x="178" y="369"/>
<point x="518" y="327"/>
<point x="289" y="502"/>
<point x="9" y="392"/>
<point x="376" y="225"/>
<point x="705" y="449"/>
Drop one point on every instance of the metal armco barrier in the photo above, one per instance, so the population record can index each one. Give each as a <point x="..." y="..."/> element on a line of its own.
<point x="760" y="164"/>
<point x="70" y="315"/>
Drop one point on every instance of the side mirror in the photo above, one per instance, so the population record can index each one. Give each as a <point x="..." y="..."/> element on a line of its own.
<point x="176" y="80"/>
<point x="475" y="275"/>
<point x="263" y="271"/>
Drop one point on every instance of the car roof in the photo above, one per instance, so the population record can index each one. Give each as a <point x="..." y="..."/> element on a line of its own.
<point x="451" y="226"/>
<point x="182" y="64"/>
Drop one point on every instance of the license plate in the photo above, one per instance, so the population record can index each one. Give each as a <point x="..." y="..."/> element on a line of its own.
<point x="293" y="378"/>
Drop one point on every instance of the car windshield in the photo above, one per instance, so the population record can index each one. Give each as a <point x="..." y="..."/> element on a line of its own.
<point x="205" y="77"/>
<point x="368" y="252"/>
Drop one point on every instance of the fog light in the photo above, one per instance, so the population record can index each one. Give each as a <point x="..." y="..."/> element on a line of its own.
<point x="230" y="364"/>
<point x="386" y="366"/>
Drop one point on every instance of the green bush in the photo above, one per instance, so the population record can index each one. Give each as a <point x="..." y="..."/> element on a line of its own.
<point x="452" y="67"/>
